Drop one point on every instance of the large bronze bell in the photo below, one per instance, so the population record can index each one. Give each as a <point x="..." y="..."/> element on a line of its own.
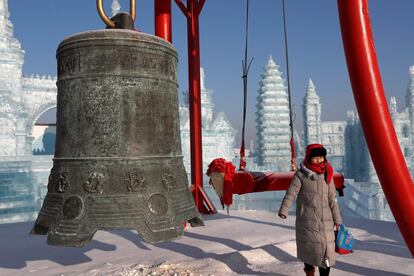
<point x="118" y="161"/>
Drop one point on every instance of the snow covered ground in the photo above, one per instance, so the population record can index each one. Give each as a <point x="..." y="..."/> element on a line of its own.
<point x="245" y="243"/>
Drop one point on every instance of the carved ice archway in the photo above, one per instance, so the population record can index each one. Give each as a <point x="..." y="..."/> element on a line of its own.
<point x="35" y="115"/>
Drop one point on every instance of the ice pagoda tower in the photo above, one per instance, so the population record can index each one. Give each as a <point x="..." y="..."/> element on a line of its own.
<point x="272" y="119"/>
<point x="311" y="116"/>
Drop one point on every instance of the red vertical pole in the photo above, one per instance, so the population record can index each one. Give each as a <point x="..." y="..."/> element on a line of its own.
<point x="195" y="102"/>
<point x="192" y="12"/>
<point x="162" y="17"/>
<point x="374" y="114"/>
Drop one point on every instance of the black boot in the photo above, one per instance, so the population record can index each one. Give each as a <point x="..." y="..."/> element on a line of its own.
<point x="324" y="271"/>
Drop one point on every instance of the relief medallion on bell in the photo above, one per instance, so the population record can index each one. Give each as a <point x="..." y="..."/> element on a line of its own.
<point x="63" y="182"/>
<point x="158" y="204"/>
<point x="73" y="207"/>
<point x="135" y="181"/>
<point x="169" y="180"/>
<point x="95" y="183"/>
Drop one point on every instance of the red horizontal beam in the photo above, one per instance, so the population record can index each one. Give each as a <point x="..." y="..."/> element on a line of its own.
<point x="253" y="182"/>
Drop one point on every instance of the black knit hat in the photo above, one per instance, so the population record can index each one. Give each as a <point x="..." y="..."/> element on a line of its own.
<point x="317" y="152"/>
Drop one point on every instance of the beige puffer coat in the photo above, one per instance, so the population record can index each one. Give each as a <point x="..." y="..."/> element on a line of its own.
<point x="317" y="212"/>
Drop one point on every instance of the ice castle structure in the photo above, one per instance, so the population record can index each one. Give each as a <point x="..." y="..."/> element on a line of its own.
<point x="272" y="120"/>
<point x="22" y="101"/>
<point x="329" y="133"/>
<point x="217" y="133"/>
<point x="348" y="151"/>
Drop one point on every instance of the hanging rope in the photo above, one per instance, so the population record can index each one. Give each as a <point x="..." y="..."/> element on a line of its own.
<point x="245" y="68"/>
<point x="292" y="141"/>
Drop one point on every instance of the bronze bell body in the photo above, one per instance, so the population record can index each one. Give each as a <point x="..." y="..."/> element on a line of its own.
<point x="118" y="161"/>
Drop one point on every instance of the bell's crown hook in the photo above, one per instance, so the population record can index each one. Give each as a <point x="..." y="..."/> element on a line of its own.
<point x="108" y="21"/>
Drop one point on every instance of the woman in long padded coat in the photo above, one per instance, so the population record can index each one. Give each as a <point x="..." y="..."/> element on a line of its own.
<point x="317" y="211"/>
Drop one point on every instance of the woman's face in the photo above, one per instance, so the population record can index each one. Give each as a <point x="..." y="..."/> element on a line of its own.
<point x="317" y="159"/>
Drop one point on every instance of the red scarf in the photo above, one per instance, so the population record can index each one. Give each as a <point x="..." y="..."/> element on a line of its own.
<point x="323" y="167"/>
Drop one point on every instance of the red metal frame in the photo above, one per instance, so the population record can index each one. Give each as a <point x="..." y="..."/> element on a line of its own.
<point x="374" y="114"/>
<point x="245" y="182"/>
<point x="162" y="17"/>
<point x="368" y="92"/>
<point x="192" y="11"/>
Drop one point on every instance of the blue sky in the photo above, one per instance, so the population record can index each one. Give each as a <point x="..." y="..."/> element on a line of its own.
<point x="315" y="46"/>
